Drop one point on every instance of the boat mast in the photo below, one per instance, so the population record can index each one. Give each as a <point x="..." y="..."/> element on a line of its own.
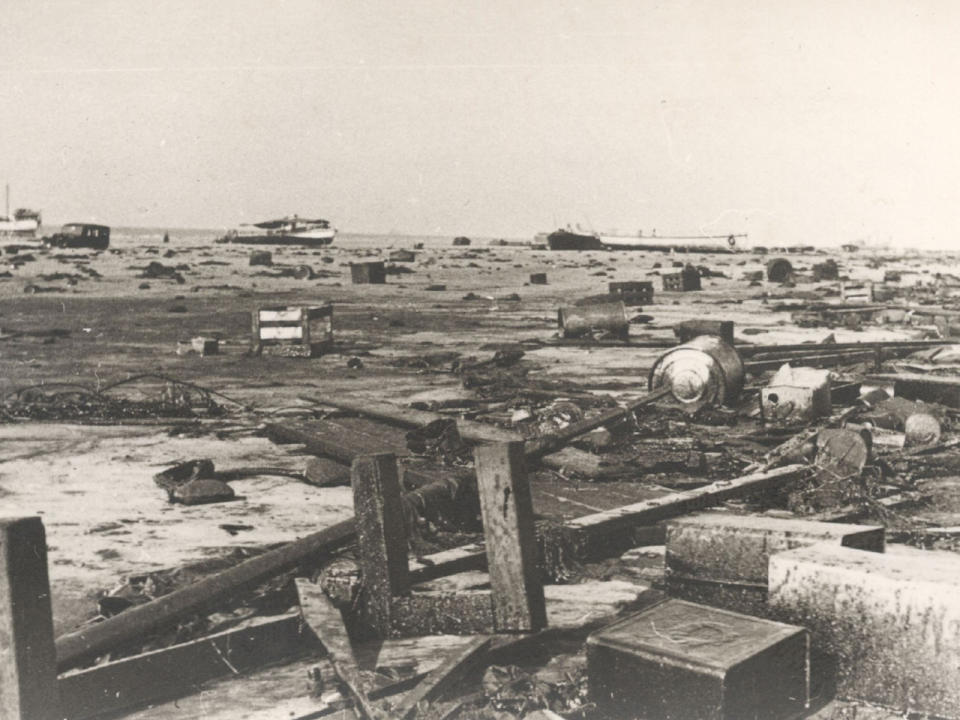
<point x="7" y="215"/>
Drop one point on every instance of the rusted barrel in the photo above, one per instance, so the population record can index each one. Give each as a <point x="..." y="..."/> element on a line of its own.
<point x="581" y="319"/>
<point x="706" y="369"/>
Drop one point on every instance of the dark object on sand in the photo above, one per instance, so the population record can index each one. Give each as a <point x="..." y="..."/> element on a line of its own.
<point x="80" y="235"/>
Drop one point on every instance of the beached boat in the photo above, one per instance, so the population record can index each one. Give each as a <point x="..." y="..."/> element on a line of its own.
<point x="569" y="240"/>
<point x="23" y="223"/>
<point x="285" y="231"/>
<point x="675" y="243"/>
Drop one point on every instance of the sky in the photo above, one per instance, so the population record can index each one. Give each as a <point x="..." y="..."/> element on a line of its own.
<point x="797" y="121"/>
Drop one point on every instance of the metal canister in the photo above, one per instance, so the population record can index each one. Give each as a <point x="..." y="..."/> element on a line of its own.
<point x="579" y="320"/>
<point x="704" y="370"/>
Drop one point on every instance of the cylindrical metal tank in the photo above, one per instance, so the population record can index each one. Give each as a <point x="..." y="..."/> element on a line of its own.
<point x="581" y="319"/>
<point x="706" y="370"/>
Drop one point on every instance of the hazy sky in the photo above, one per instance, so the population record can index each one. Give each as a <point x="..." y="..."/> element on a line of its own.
<point x="794" y="120"/>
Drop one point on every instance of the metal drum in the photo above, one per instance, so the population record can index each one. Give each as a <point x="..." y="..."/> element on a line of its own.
<point x="704" y="370"/>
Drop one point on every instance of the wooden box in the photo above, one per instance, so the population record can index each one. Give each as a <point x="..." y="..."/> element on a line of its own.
<point x="685" y="281"/>
<point x="293" y="331"/>
<point x="632" y="292"/>
<point x="373" y="273"/>
<point x="678" y="660"/>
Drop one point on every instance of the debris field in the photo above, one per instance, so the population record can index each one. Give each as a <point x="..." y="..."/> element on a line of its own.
<point x="427" y="478"/>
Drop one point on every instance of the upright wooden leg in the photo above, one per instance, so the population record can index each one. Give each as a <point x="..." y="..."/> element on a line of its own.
<point x="518" y="602"/>
<point x="28" y="661"/>
<point x="381" y="535"/>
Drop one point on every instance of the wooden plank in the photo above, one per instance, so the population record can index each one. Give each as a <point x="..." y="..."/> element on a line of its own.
<point x="335" y="440"/>
<point x="285" y="315"/>
<point x="181" y="669"/>
<point x="448" y="562"/>
<point x="928" y="388"/>
<point x="281" y="332"/>
<point x="441" y="679"/>
<point x="91" y="641"/>
<point x="469" y="430"/>
<point x="381" y="536"/>
<point x="586" y="532"/>
<point x="325" y="620"/>
<point x="508" y="529"/>
<point x="28" y="676"/>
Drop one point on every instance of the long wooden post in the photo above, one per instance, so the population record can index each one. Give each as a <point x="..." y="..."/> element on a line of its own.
<point x="28" y="661"/>
<point x="518" y="601"/>
<point x="381" y="535"/>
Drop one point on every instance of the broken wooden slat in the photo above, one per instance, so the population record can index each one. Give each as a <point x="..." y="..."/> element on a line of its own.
<point x="325" y="620"/>
<point x="381" y="536"/>
<point x="507" y="507"/>
<point x="89" y="642"/>
<point x="441" y="679"/>
<point x="585" y="533"/>
<point x="181" y="669"/>
<point x="28" y="677"/>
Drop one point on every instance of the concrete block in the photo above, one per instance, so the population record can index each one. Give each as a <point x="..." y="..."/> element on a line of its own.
<point x="682" y="660"/>
<point x="721" y="559"/>
<point x="796" y="395"/>
<point x="891" y="621"/>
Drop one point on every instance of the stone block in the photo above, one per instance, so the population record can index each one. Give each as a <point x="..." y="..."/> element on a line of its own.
<point x="721" y="559"/>
<point x="891" y="621"/>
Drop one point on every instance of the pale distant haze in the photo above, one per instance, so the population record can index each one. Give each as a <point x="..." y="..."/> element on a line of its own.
<point x="795" y="121"/>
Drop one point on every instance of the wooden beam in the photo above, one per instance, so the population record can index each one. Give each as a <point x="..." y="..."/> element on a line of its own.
<point x="441" y="679"/>
<point x="326" y="621"/>
<point x="381" y="536"/>
<point x="181" y="669"/>
<point x="588" y="532"/>
<point x="28" y="674"/>
<point x="469" y="430"/>
<point x="94" y="640"/>
<point x="518" y="603"/>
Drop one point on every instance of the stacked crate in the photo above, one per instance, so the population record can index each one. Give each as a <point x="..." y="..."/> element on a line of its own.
<point x="293" y="331"/>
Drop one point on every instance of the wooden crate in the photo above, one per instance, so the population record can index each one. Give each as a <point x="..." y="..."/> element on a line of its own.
<point x="293" y="331"/>
<point x="685" y="281"/>
<point x="856" y="292"/>
<point x="373" y="273"/>
<point x="632" y="292"/>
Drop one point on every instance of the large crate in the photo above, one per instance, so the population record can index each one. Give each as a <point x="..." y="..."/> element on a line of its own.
<point x="293" y="331"/>
<point x="682" y="660"/>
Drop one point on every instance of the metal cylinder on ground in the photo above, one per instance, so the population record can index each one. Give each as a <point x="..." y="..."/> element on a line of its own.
<point x="704" y="370"/>
<point x="580" y="320"/>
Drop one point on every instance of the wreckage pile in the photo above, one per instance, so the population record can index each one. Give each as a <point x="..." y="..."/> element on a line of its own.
<point x="768" y="564"/>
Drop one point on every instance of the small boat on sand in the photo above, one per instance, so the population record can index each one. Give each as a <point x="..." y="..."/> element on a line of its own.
<point x="284" y="231"/>
<point x="23" y="222"/>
